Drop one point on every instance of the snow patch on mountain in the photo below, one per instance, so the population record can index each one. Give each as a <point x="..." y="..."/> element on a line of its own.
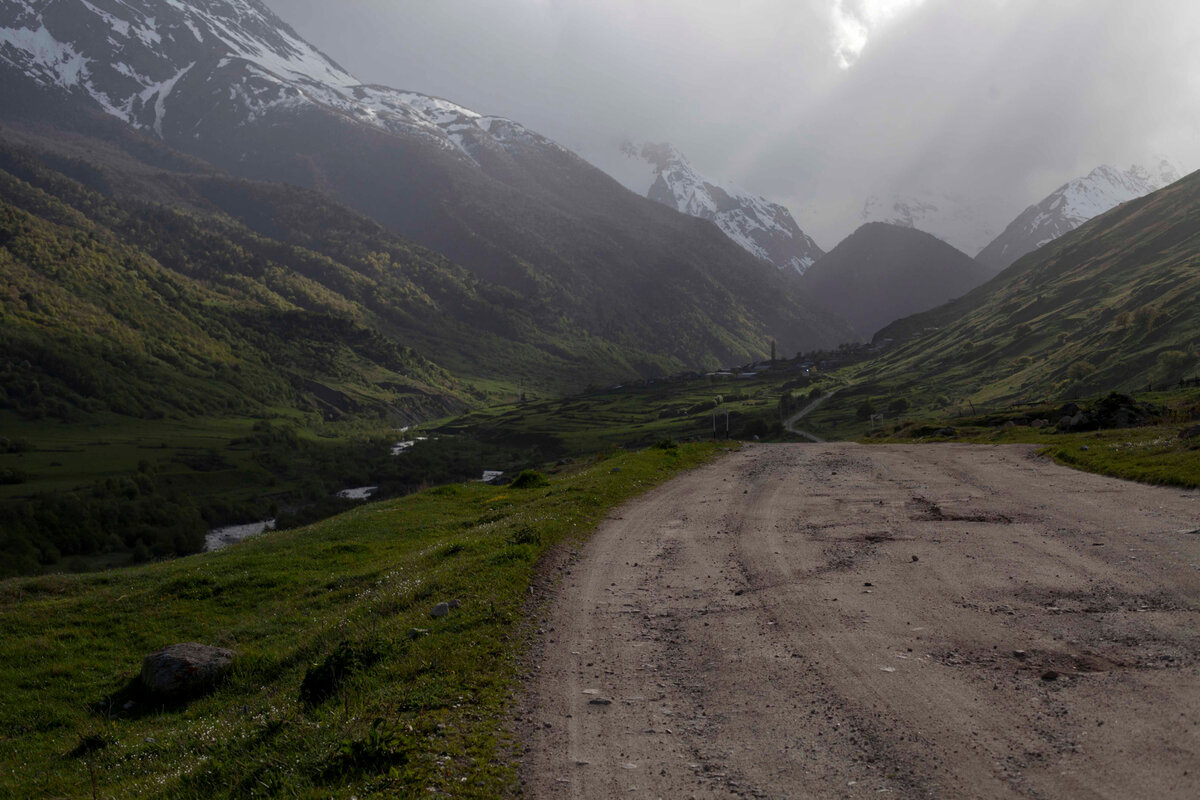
<point x="38" y="52"/>
<point x="159" y="93"/>
<point x="130" y="56"/>
<point x="761" y="227"/>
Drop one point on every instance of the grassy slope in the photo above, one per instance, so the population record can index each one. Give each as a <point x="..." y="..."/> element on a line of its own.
<point x="1153" y="453"/>
<point x="95" y="320"/>
<point x="133" y="332"/>
<point x="1112" y="306"/>
<point x="636" y="415"/>
<point x="428" y="713"/>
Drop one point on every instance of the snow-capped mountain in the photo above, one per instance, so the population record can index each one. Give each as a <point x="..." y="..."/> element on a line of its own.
<point x="1073" y="204"/>
<point x="134" y="57"/>
<point x="952" y="218"/>
<point x="764" y="229"/>
<point x="228" y="83"/>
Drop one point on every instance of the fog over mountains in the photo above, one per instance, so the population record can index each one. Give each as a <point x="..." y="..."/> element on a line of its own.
<point x="933" y="101"/>
<point x="585" y="280"/>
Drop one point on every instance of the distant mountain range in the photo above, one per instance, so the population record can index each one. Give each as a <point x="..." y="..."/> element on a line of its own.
<point x="1073" y="204"/>
<point x="759" y="226"/>
<point x="960" y="221"/>
<point x="883" y="272"/>
<point x="1112" y="305"/>
<point x="540" y="267"/>
<point x="603" y="283"/>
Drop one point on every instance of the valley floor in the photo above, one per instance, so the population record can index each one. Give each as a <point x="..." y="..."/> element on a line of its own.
<point x="838" y="620"/>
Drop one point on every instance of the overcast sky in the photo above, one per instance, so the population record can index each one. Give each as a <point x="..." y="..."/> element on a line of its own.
<point x="813" y="103"/>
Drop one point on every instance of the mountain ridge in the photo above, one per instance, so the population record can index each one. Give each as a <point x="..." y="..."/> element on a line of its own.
<point x="227" y="82"/>
<point x="1112" y="305"/>
<point x="761" y="227"/>
<point x="1071" y="205"/>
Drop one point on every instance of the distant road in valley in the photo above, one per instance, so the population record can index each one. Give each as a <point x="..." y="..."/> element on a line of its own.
<point x="789" y="424"/>
<point x="841" y="620"/>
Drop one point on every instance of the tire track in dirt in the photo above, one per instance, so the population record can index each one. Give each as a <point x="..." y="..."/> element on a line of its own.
<point x="846" y="621"/>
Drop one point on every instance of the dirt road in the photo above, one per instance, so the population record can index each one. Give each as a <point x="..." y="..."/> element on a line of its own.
<point x="789" y="424"/>
<point x="837" y="620"/>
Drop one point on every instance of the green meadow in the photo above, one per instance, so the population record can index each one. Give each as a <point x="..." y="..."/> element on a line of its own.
<point x="344" y="686"/>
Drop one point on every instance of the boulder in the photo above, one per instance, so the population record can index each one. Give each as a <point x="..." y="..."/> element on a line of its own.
<point x="185" y="669"/>
<point x="442" y="609"/>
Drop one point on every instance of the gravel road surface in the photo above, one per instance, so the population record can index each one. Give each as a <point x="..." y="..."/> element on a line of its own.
<point x="837" y="620"/>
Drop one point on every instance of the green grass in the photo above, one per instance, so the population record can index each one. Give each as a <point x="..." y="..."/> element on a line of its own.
<point x="67" y="454"/>
<point x="1152" y="453"/>
<point x="419" y="716"/>
<point x="637" y="415"/>
<point x="82" y="495"/>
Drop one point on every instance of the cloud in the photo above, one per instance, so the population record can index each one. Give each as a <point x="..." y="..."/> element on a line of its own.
<point x="815" y="103"/>
<point x="855" y="20"/>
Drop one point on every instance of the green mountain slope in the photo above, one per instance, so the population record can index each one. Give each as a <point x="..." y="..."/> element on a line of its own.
<point x="263" y="267"/>
<point x="1114" y="305"/>
<point x="147" y="311"/>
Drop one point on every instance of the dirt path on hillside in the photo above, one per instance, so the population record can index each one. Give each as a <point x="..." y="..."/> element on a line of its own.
<point x="887" y="621"/>
<point x="789" y="424"/>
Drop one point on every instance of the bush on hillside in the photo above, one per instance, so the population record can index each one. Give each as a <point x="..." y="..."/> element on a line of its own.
<point x="529" y="479"/>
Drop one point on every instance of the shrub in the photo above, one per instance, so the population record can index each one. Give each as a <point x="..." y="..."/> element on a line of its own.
<point x="381" y="747"/>
<point x="529" y="479"/>
<point x="525" y="534"/>
<point x="1174" y="362"/>
<point x="324" y="678"/>
<point x="1146" y="318"/>
<point x="1080" y="370"/>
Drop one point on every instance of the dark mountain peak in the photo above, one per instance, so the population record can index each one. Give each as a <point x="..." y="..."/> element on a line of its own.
<point x="884" y="271"/>
<point x="900" y="243"/>
<point x="870" y="231"/>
